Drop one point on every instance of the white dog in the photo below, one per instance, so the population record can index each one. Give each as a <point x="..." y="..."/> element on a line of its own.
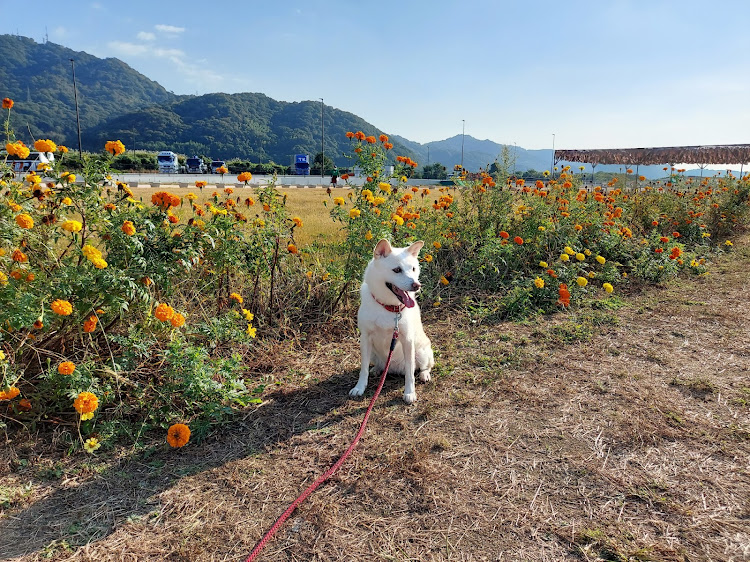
<point x="390" y="281"/>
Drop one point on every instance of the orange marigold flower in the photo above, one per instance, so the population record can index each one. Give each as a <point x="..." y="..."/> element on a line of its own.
<point x="128" y="228"/>
<point x="9" y="394"/>
<point x="61" y="307"/>
<point x="7" y="103"/>
<point x="518" y="240"/>
<point x="349" y="135"/>
<point x="178" y="435"/>
<point x="245" y="177"/>
<point x="177" y="320"/>
<point x="24" y="221"/>
<point x="114" y="147"/>
<point x="292" y="249"/>
<point x="164" y="312"/>
<point x="86" y="403"/>
<point x="297" y="222"/>
<point x="359" y="135"/>
<point x="45" y="145"/>
<point x="236" y="297"/>
<point x="504" y="234"/>
<point x="90" y="324"/>
<point x="66" y="368"/>
<point x="38" y="325"/>
<point x="19" y="257"/>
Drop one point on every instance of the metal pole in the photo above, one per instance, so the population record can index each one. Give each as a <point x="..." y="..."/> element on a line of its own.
<point x="463" y="130"/>
<point x="78" y="116"/>
<point x="322" y="136"/>
<point x="552" y="168"/>
<point x="428" y="154"/>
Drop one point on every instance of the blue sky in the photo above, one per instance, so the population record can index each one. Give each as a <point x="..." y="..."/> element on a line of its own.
<point x="596" y="74"/>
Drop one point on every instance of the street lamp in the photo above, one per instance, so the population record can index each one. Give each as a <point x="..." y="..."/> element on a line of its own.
<point x="463" y="130"/>
<point x="322" y="136"/>
<point x="78" y="116"/>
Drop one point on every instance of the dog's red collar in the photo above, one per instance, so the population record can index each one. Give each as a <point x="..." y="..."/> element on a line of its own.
<point x="389" y="307"/>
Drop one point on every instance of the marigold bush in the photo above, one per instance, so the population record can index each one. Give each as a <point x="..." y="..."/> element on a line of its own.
<point x="92" y="278"/>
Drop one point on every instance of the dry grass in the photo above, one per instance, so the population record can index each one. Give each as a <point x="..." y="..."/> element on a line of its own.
<point x="308" y="204"/>
<point x="631" y="443"/>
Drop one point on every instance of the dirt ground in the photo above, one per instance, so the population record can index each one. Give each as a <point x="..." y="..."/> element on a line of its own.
<point x="609" y="433"/>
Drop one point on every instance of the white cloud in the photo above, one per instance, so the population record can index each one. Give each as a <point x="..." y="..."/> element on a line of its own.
<point x="146" y="36"/>
<point x="171" y="29"/>
<point x="128" y="49"/>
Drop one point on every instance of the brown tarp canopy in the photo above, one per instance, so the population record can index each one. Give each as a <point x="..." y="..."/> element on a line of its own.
<point x="716" y="154"/>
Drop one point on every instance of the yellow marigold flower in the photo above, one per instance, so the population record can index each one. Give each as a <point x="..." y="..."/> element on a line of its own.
<point x="338" y="201"/>
<point x="67" y="201"/>
<point x="91" y="444"/>
<point x="384" y="187"/>
<point x="397" y="219"/>
<point x="354" y="213"/>
<point x="9" y="394"/>
<point x="177" y="320"/>
<point x="24" y="220"/>
<point x="582" y="281"/>
<point x="68" y="177"/>
<point x="587" y="252"/>
<point x="539" y="282"/>
<point x="3" y="278"/>
<point x="66" y="368"/>
<point x="86" y="403"/>
<point x="33" y="178"/>
<point x="608" y="287"/>
<point x="592" y="274"/>
<point x="90" y="252"/>
<point x="601" y="259"/>
<point x="2" y="355"/>
<point x="71" y="226"/>
<point x="444" y="280"/>
<point x="164" y="312"/>
<point x="564" y="257"/>
<point x="178" y="435"/>
<point x="297" y="222"/>
<point x="252" y="331"/>
<point x="249" y="315"/>
<point x="45" y="145"/>
<point x="61" y="307"/>
<point x="128" y="228"/>
<point x="368" y="235"/>
<point x="728" y="243"/>
<point x="366" y="193"/>
<point x="236" y="297"/>
<point x="99" y="263"/>
<point x="114" y="147"/>
<point x="570" y="251"/>
<point x="437" y="245"/>
<point x="580" y="256"/>
<point x="428" y="258"/>
<point x="542" y="228"/>
<point x="543" y="264"/>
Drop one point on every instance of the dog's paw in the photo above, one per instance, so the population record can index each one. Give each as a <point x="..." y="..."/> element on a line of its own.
<point x="425" y="376"/>
<point x="410" y="397"/>
<point x="356" y="392"/>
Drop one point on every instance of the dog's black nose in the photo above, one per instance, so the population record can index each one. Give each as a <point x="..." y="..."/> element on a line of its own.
<point x="416" y="286"/>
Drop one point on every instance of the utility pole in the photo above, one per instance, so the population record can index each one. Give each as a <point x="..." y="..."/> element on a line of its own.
<point x="463" y="130"/>
<point x="78" y="115"/>
<point x="552" y="168"/>
<point x="322" y="148"/>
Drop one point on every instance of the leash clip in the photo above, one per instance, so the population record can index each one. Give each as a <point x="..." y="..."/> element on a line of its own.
<point x="398" y="317"/>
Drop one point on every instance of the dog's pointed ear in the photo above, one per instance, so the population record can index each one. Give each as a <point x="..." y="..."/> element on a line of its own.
<point x="415" y="247"/>
<point x="382" y="249"/>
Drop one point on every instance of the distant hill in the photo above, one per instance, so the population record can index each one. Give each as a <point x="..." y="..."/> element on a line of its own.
<point x="38" y="77"/>
<point x="117" y="102"/>
<point x="249" y="126"/>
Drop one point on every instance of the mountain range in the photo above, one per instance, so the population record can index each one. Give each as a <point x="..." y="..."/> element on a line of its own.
<point x="117" y="102"/>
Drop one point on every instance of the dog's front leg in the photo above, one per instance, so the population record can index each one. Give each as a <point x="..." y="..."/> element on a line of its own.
<point x="365" y="347"/>
<point x="410" y="393"/>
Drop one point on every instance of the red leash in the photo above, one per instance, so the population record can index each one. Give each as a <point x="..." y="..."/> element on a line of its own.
<point x="328" y="473"/>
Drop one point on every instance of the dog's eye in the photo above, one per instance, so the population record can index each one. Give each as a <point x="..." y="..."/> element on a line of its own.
<point x="397" y="270"/>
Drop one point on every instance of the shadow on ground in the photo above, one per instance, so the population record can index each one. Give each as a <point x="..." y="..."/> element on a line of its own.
<point x="79" y="513"/>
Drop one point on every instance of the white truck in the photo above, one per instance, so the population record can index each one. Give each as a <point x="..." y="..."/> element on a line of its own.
<point x="30" y="163"/>
<point x="167" y="161"/>
<point x="195" y="165"/>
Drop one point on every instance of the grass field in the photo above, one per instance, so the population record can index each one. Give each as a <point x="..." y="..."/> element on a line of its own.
<point x="620" y="431"/>
<point x="308" y="204"/>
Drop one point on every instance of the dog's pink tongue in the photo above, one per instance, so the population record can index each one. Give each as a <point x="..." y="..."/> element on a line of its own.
<point x="406" y="299"/>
